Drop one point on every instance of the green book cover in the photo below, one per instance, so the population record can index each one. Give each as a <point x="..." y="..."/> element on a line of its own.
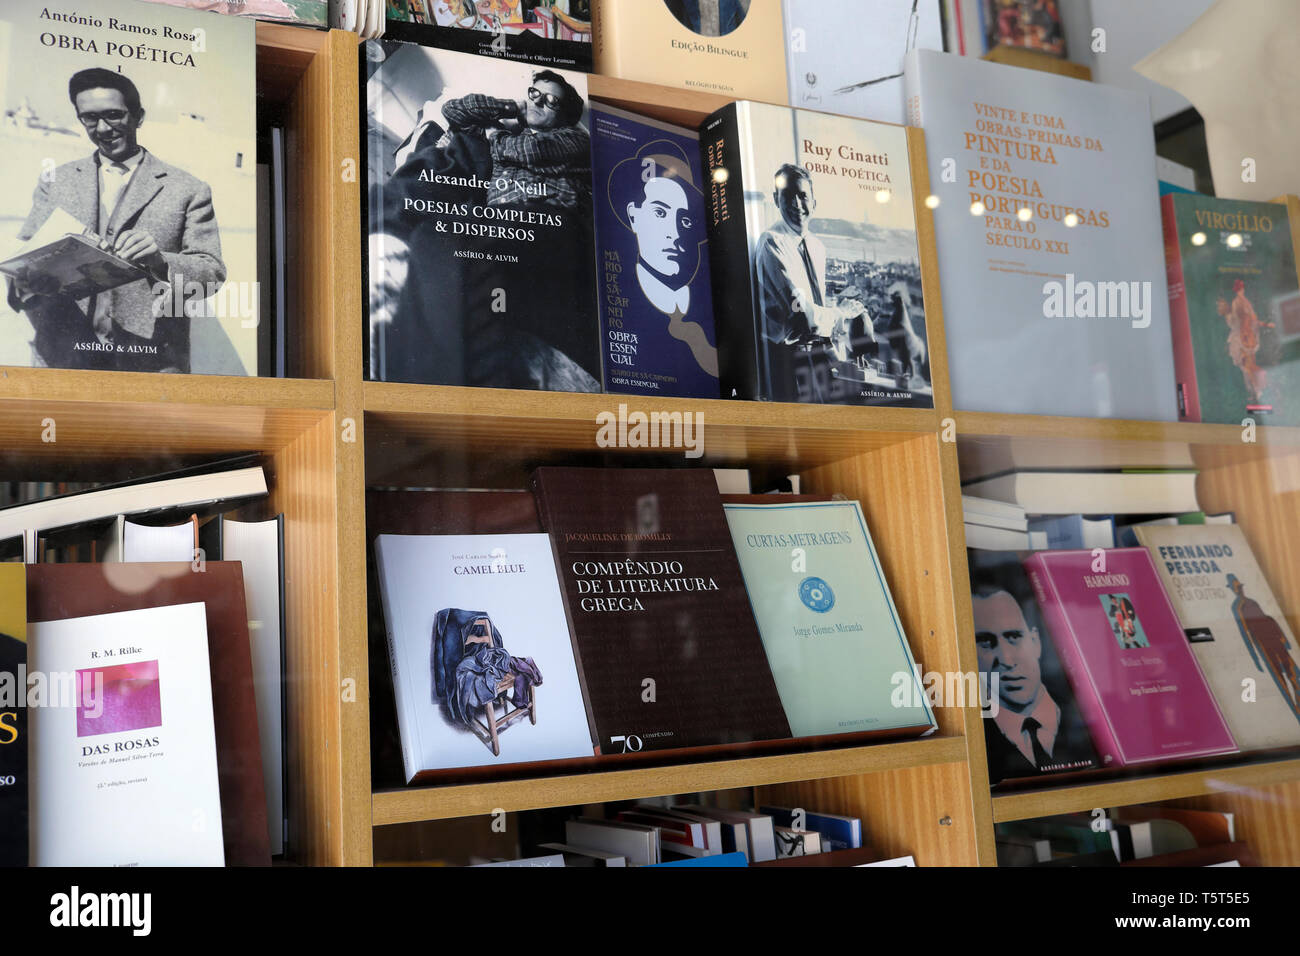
<point x="1234" y="294"/>
<point x="832" y="635"/>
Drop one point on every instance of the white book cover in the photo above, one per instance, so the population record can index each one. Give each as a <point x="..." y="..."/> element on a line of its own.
<point x="256" y="545"/>
<point x="1051" y="257"/>
<point x="846" y="56"/>
<point x="465" y="613"/>
<point x="124" y="768"/>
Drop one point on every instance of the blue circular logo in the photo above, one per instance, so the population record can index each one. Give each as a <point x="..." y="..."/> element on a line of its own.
<point x="817" y="595"/>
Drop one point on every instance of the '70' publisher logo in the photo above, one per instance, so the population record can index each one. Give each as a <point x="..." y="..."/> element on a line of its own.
<point x="631" y="743"/>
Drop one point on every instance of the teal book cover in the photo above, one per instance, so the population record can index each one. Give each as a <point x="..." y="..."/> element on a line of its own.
<point x="828" y="623"/>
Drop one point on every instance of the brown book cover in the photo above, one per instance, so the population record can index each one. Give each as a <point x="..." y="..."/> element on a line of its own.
<point x="60" y="591"/>
<point x="667" y="648"/>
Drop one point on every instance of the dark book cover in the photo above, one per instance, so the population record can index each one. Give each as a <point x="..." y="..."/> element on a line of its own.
<point x="481" y="265"/>
<point x="13" y="715"/>
<point x="814" y="249"/>
<point x="529" y="31"/>
<point x="668" y="651"/>
<point x="1234" y="298"/>
<point x="60" y="591"/>
<point x="1021" y="677"/>
<point x="652" y="258"/>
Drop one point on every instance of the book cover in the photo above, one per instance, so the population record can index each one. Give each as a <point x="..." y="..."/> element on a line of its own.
<point x="1026" y="24"/>
<point x="541" y="32"/>
<point x="1136" y="680"/>
<point x="1048" y="236"/>
<point x="832" y="635"/>
<point x="56" y="592"/>
<point x="1235" y="627"/>
<point x="482" y="265"/>
<point x="13" y="715"/>
<point x="1232" y="277"/>
<point x="814" y="250"/>
<point x="732" y="47"/>
<point x="846" y="56"/>
<point x="1032" y="721"/>
<point x="312" y="13"/>
<point x="482" y="664"/>
<point x="652" y="258"/>
<point x="667" y="647"/>
<point x="129" y="158"/>
<point x="125" y="770"/>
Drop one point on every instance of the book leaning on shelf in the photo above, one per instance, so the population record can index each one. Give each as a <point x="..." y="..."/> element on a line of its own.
<point x="815" y="251"/>
<point x="137" y="249"/>
<point x="481" y="257"/>
<point x="1048" y="241"/>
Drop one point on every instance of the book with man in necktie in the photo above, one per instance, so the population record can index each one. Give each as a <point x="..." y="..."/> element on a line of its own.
<point x="814" y="249"/>
<point x="1032" y="723"/>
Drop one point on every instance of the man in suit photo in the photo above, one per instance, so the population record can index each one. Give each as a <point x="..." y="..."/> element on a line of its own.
<point x="1032" y="732"/>
<point x="150" y="213"/>
<point x="790" y="266"/>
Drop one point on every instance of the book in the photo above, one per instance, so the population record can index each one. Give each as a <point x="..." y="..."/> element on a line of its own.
<point x="311" y="13"/>
<point x="557" y="35"/>
<point x="582" y="856"/>
<point x="987" y="511"/>
<point x="837" y="832"/>
<point x="731" y="47"/>
<point x="667" y="647"/>
<point x="652" y="258"/>
<point x="1024" y="24"/>
<point x="1090" y="492"/>
<point x="1076" y="532"/>
<point x="1048" y="239"/>
<point x="731" y="860"/>
<point x="481" y="263"/>
<point x="1235" y="627"/>
<point x="125" y="772"/>
<point x="483" y="669"/>
<point x="638" y="844"/>
<point x="140" y="238"/>
<point x="988" y="538"/>
<point x="188" y="488"/>
<point x="790" y="843"/>
<point x="59" y="591"/>
<point x="1022" y="678"/>
<point x="813" y="238"/>
<point x="13" y="715"/>
<point x="132" y="541"/>
<point x="760" y="833"/>
<point x="258" y="546"/>
<point x="1135" y="677"/>
<point x="827" y="619"/>
<point x="838" y="65"/>
<point x="1232" y="271"/>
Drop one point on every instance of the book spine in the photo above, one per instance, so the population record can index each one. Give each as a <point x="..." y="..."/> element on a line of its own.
<point x="13" y="787"/>
<point x="547" y="519"/>
<point x="408" y="729"/>
<point x="1058" y="625"/>
<point x="1180" y="322"/>
<point x="604" y="27"/>
<point x="738" y="330"/>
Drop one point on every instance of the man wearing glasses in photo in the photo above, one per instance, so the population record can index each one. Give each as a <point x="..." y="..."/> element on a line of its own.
<point x="145" y="211"/>
<point x="541" y="156"/>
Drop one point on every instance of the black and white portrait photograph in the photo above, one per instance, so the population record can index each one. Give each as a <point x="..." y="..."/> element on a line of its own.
<point x="481" y="259"/>
<point x="128" y="225"/>
<point x="836" y="270"/>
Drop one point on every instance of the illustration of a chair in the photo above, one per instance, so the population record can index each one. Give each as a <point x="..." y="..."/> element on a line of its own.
<point x="481" y="691"/>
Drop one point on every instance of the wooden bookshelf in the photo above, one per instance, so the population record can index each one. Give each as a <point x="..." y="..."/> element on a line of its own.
<point x="1149" y="788"/>
<point x="328" y="434"/>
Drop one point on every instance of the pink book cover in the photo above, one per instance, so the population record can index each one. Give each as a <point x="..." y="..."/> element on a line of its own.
<point x="1137" y="683"/>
